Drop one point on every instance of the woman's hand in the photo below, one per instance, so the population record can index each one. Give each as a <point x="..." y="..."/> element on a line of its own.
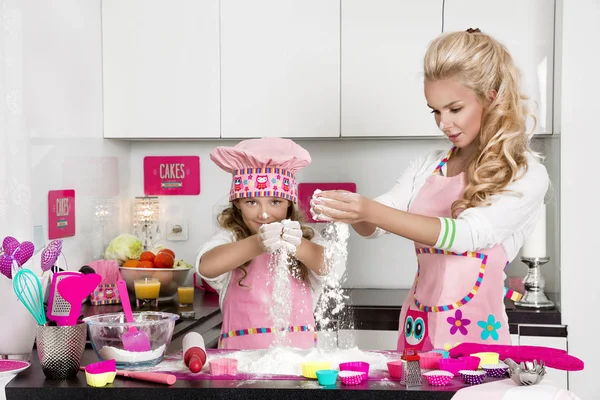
<point x="339" y="206"/>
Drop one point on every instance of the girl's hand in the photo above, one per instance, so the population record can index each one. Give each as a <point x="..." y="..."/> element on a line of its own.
<point x="292" y="235"/>
<point x="269" y="237"/>
<point x="339" y="206"/>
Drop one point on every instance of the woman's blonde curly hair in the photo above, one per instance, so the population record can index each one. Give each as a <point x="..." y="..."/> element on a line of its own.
<point x="231" y="219"/>
<point x="482" y="64"/>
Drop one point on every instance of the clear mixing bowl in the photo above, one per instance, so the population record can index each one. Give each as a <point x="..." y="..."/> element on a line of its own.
<point x="105" y="331"/>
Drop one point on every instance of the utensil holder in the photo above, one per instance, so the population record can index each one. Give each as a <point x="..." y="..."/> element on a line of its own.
<point x="60" y="349"/>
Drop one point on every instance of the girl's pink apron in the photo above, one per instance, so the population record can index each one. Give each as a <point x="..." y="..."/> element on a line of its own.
<point x="246" y="311"/>
<point x="455" y="297"/>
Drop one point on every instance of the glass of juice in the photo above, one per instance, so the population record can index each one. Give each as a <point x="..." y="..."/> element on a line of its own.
<point x="146" y="292"/>
<point x="185" y="295"/>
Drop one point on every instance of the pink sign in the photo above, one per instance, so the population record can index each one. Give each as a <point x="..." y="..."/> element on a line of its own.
<point x="172" y="175"/>
<point x="61" y="213"/>
<point x="306" y="190"/>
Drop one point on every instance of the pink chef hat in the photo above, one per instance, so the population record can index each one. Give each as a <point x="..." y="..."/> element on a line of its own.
<point x="262" y="167"/>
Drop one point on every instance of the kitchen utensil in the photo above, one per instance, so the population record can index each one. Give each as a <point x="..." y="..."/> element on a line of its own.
<point x="156" y="377"/>
<point x="495" y="370"/>
<point x="395" y="369"/>
<point x="60" y="349"/>
<point x="357" y="366"/>
<point x="352" y="377"/>
<point x="411" y="368"/>
<point x="310" y="368"/>
<point x="327" y="377"/>
<point x="76" y="288"/>
<point x="526" y="373"/>
<point x="133" y="340"/>
<point x="58" y="308"/>
<point x="28" y="289"/>
<point x="438" y="377"/>
<point x="472" y="377"/>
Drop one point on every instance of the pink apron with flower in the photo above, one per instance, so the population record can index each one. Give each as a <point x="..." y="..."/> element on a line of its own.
<point x="455" y="297"/>
<point x="246" y="311"/>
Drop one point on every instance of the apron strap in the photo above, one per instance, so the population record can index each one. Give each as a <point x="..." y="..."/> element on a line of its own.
<point x="512" y="295"/>
<point x="260" y="331"/>
<point x="438" y="169"/>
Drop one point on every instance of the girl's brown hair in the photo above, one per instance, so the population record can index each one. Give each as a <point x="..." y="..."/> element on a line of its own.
<point x="482" y="64"/>
<point x="231" y="219"/>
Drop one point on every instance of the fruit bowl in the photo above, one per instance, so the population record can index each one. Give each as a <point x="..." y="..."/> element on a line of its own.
<point x="106" y="330"/>
<point x="170" y="278"/>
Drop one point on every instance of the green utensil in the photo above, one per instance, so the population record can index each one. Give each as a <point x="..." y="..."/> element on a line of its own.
<point x="28" y="289"/>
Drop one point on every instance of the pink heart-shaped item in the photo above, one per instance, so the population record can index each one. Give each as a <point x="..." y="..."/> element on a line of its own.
<point x="9" y="245"/>
<point x="24" y="252"/>
<point x="6" y="266"/>
<point x="50" y="254"/>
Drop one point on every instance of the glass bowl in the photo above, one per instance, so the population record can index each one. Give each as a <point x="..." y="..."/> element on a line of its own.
<point x="170" y="278"/>
<point x="105" y="331"/>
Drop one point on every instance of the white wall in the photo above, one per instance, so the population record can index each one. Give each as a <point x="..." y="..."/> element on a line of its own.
<point x="374" y="165"/>
<point x="580" y="141"/>
<point x="63" y="104"/>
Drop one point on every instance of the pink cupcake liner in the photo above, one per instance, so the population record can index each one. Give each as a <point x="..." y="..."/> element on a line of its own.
<point x="430" y="359"/>
<point x="472" y="377"/>
<point x="438" y="377"/>
<point x="223" y="366"/>
<point x="495" y="370"/>
<point x="395" y="369"/>
<point x="472" y="362"/>
<point x="357" y="366"/>
<point x="452" y="365"/>
<point x="352" y="377"/>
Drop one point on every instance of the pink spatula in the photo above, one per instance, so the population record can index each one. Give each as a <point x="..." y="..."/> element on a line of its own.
<point x="133" y="340"/>
<point x="74" y="289"/>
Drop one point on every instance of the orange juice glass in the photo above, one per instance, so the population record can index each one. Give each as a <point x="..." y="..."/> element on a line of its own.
<point x="146" y="291"/>
<point x="186" y="295"/>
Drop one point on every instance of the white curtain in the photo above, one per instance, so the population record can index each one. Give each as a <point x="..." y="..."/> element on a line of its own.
<point x="15" y="143"/>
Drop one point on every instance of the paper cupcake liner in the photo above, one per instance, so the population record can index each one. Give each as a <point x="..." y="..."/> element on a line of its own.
<point x="438" y="377"/>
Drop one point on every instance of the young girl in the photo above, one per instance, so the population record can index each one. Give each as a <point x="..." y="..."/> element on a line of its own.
<point x="467" y="209"/>
<point x="262" y="220"/>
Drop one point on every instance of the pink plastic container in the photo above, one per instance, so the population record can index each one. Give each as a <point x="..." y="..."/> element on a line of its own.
<point x="395" y="369"/>
<point x="452" y="365"/>
<point x="357" y="366"/>
<point x="352" y="377"/>
<point x="223" y="366"/>
<point x="438" y="378"/>
<point x="472" y="362"/>
<point x="430" y="359"/>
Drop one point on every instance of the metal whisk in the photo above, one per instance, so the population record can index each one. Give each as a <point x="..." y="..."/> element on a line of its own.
<point x="28" y="289"/>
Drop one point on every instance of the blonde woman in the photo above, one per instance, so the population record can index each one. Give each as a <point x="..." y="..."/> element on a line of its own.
<point x="467" y="209"/>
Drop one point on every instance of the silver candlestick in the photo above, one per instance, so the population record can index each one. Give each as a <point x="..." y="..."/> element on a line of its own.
<point x="534" y="282"/>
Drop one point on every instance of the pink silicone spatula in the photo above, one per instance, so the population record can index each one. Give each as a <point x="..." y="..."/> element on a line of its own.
<point x="133" y="340"/>
<point x="74" y="289"/>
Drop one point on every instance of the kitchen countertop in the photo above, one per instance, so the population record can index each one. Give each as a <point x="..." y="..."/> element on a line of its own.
<point x="372" y="309"/>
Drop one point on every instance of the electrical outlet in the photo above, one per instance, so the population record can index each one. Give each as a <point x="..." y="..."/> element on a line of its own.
<point x="177" y="230"/>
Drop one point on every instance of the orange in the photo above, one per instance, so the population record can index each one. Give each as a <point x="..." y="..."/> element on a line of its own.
<point x="168" y="252"/>
<point x="164" y="260"/>
<point x="146" y="264"/>
<point x="131" y="263"/>
<point x="147" y="256"/>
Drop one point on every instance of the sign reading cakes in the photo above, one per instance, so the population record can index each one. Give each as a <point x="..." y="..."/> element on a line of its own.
<point x="61" y="213"/>
<point x="172" y="175"/>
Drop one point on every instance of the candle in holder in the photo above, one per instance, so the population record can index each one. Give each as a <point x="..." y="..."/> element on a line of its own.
<point x="535" y="244"/>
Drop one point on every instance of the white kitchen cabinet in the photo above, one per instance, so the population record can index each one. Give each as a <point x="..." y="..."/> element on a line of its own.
<point x="280" y="68"/>
<point x="383" y="44"/>
<point x="514" y="340"/>
<point x="557" y="377"/>
<point x="526" y="28"/>
<point x="161" y="68"/>
<point x="368" y="339"/>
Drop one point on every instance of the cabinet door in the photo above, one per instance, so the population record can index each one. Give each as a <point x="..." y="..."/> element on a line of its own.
<point x="526" y="28"/>
<point x="557" y="377"/>
<point x="383" y="44"/>
<point x="161" y="68"/>
<point x="280" y="68"/>
<point x="367" y="339"/>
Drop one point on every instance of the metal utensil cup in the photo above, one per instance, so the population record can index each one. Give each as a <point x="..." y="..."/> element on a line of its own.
<point x="534" y="283"/>
<point x="60" y="349"/>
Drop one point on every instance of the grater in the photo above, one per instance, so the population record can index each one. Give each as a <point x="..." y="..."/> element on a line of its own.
<point x="58" y="308"/>
<point x="411" y="368"/>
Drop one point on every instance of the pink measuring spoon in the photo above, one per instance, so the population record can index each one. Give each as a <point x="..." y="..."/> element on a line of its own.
<point x="133" y="340"/>
<point x="75" y="289"/>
